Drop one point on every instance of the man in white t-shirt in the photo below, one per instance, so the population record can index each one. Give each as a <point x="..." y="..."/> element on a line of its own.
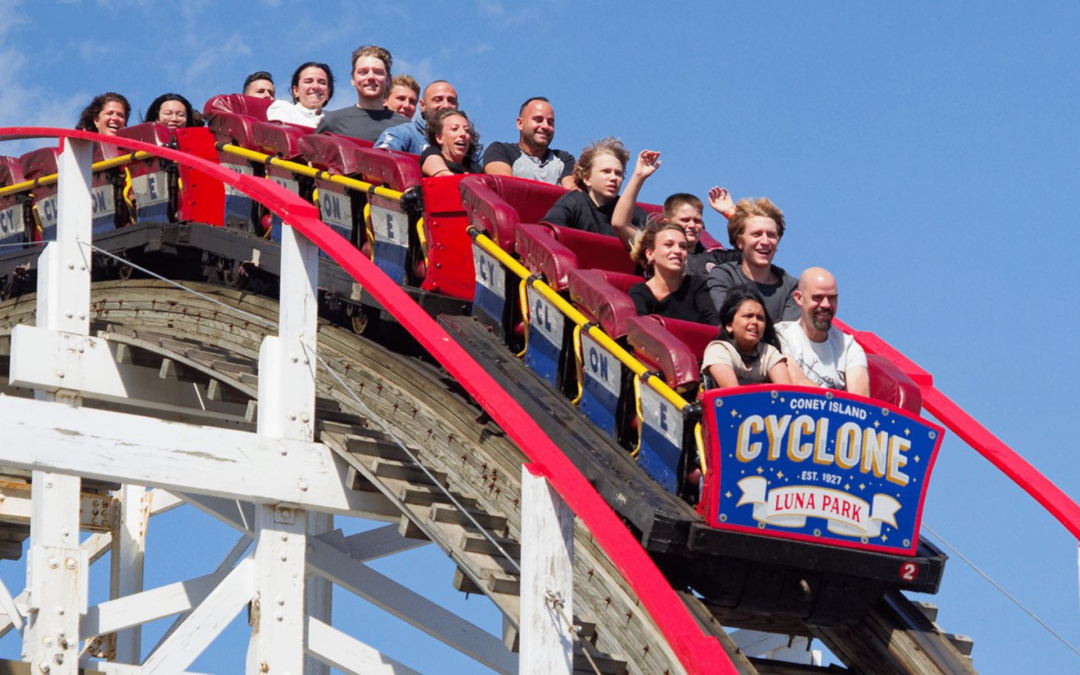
<point x="818" y="354"/>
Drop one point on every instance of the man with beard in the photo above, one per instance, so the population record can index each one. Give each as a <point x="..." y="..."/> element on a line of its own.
<point x="532" y="158"/>
<point x="412" y="136"/>
<point x="818" y="354"/>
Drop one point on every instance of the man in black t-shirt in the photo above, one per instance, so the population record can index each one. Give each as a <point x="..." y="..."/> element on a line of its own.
<point x="532" y="157"/>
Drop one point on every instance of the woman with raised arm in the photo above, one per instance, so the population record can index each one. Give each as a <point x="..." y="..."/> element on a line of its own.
<point x="746" y="351"/>
<point x="452" y="140"/>
<point x="661" y="248"/>
<point x="312" y="89"/>
<point x="107" y="114"/>
<point x="598" y="175"/>
<point x="172" y="110"/>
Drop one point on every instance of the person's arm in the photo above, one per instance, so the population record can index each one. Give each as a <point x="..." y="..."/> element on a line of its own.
<point x="622" y="218"/>
<point x="720" y="282"/>
<point x="797" y="375"/>
<point x="707" y="313"/>
<point x="779" y="374"/>
<point x="858" y="380"/>
<point x="496" y="162"/>
<point x="721" y="202"/>
<point x="566" y="180"/>
<point x="723" y="375"/>
<point x="435" y="165"/>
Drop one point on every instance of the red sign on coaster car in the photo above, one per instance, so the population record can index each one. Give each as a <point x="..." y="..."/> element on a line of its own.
<point x="817" y="465"/>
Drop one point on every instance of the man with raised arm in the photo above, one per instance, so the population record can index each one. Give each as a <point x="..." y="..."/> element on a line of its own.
<point x="412" y="136"/>
<point x="369" y="117"/>
<point x="818" y="354"/>
<point x="755" y="230"/>
<point x="532" y="157"/>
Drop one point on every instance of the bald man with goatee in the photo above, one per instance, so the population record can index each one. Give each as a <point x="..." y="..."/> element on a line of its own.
<point x="818" y="354"/>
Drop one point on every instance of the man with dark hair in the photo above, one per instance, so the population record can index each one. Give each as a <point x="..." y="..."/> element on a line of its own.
<point x="412" y="136"/>
<point x="369" y="117"/>
<point x="532" y="157"/>
<point x="259" y="84"/>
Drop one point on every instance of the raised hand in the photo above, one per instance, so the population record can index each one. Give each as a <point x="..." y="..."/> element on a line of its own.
<point x="647" y="163"/>
<point x="720" y="200"/>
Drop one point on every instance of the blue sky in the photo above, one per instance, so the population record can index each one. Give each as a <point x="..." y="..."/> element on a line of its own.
<point x="925" y="152"/>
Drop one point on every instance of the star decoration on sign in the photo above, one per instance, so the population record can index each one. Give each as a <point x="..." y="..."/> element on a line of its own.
<point x="862" y="486"/>
<point x="779" y="474"/>
<point x="734" y="413"/>
<point x="847" y="486"/>
<point x="877" y="424"/>
<point x="760" y="470"/>
<point x="907" y="432"/>
<point x="916" y="459"/>
<point x="884" y="537"/>
<point x="728" y="494"/>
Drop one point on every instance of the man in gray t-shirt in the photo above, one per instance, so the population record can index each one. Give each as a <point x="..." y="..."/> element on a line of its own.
<point x="532" y="157"/>
<point x="369" y="117"/>
<point x="818" y="354"/>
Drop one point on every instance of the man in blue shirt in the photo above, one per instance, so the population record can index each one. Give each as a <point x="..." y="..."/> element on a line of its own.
<point x="412" y="136"/>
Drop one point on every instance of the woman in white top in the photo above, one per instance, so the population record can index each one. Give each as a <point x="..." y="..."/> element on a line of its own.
<point x="745" y="352"/>
<point x="312" y="88"/>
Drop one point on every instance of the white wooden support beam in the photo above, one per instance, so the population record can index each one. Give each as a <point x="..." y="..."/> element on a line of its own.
<point x="157" y="603"/>
<point x="547" y="578"/>
<point x="205" y="622"/>
<point x="182" y="457"/>
<point x="286" y="411"/>
<point x="57" y="570"/>
<point x="416" y="610"/>
<point x="63" y="301"/>
<point x="128" y="555"/>
<point x="349" y="655"/>
<point x="278" y="610"/>
<point x="56" y="567"/>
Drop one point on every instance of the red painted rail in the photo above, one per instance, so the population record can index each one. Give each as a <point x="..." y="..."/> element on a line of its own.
<point x="697" y="652"/>
<point x="1007" y="460"/>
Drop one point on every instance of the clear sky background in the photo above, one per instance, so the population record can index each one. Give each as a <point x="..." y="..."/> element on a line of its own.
<point x="925" y="152"/>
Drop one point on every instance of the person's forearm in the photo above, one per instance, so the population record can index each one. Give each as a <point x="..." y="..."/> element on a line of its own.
<point x="623" y="215"/>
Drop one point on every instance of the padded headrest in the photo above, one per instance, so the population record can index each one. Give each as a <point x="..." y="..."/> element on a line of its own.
<point x="531" y="199"/>
<point x="11" y="171"/>
<point x="278" y="138"/>
<point x="238" y="104"/>
<point x="670" y="346"/>
<point x="888" y="383"/>
<point x="334" y="153"/>
<point x="40" y="162"/>
<point x="596" y="251"/>
<point x="488" y="211"/>
<point x="234" y="129"/>
<point x="148" y="132"/>
<point x="602" y="297"/>
<point x="543" y="254"/>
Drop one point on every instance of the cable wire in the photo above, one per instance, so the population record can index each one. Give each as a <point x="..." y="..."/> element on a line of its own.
<point x="999" y="587"/>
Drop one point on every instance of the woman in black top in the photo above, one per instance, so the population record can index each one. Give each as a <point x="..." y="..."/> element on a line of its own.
<point x="662" y="249"/>
<point x="451" y="150"/>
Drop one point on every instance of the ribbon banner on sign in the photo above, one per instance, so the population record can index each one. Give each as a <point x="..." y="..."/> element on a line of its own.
<point x="844" y="514"/>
